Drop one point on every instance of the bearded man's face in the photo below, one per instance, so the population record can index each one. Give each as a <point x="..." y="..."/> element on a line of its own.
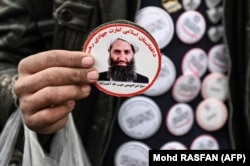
<point x="121" y="52"/>
<point x="122" y="64"/>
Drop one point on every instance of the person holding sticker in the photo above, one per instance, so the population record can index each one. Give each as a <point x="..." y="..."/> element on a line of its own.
<point x="122" y="63"/>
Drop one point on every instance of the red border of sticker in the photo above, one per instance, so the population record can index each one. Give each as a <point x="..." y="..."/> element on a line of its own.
<point x="128" y="24"/>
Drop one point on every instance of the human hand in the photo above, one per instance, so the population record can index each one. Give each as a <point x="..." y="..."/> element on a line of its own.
<point x="48" y="84"/>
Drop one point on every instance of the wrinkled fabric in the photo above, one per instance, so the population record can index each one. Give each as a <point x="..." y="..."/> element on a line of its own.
<point x="66" y="148"/>
<point x="8" y="139"/>
<point x="7" y="102"/>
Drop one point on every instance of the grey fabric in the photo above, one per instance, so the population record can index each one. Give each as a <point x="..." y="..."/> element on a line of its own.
<point x="66" y="149"/>
<point x="8" y="137"/>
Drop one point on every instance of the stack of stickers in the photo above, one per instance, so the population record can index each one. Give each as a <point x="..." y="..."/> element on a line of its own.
<point x="184" y="103"/>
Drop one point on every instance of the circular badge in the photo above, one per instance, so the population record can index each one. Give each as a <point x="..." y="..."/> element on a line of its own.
<point x="164" y="80"/>
<point x="218" y="59"/>
<point x="215" y="14"/>
<point x="126" y="56"/>
<point x="215" y="85"/>
<point x="212" y="3"/>
<point x="186" y="88"/>
<point x="180" y="119"/>
<point x="173" y="145"/>
<point x="139" y="117"/>
<point x="204" y="142"/>
<point x="195" y="62"/>
<point x="132" y="153"/>
<point x="211" y="114"/>
<point x="191" y="4"/>
<point x="215" y="33"/>
<point x="158" y="22"/>
<point x="190" y="27"/>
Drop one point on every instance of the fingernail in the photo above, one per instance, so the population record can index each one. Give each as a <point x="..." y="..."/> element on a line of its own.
<point x="88" y="60"/>
<point x="93" y="75"/>
<point x="71" y="103"/>
<point x="86" y="88"/>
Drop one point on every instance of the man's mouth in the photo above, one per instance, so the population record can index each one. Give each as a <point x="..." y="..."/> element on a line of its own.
<point x="121" y="63"/>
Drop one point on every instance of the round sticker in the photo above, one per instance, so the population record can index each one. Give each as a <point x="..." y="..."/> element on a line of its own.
<point x="215" y="14"/>
<point x="204" y="142"/>
<point x="212" y="3"/>
<point x="164" y="80"/>
<point x="186" y="88"/>
<point x="215" y="33"/>
<point x="218" y="59"/>
<point x="180" y="119"/>
<point x="195" y="62"/>
<point x="211" y="114"/>
<point x="191" y="4"/>
<point x="215" y="85"/>
<point x="158" y="22"/>
<point x="132" y="153"/>
<point x="173" y="145"/>
<point x="190" y="27"/>
<point x="126" y="56"/>
<point x="139" y="117"/>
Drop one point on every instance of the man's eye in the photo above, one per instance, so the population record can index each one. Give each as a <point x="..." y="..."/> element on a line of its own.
<point x="127" y="52"/>
<point x="117" y="52"/>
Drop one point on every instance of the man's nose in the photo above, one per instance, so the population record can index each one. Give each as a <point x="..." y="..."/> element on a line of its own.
<point x="122" y="56"/>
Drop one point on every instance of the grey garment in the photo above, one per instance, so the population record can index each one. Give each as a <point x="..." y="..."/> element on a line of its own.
<point x="8" y="98"/>
<point x="8" y="140"/>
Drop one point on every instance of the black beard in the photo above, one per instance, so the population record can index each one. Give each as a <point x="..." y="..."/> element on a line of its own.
<point x="122" y="73"/>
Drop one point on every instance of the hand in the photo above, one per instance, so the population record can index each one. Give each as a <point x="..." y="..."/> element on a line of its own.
<point x="48" y="84"/>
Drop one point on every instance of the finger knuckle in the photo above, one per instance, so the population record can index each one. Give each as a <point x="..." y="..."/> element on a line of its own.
<point x="52" y="57"/>
<point x="17" y="87"/>
<point x="23" y="66"/>
<point x="49" y="95"/>
<point x="47" y="118"/>
<point x="49" y="78"/>
<point x="78" y="75"/>
<point x="25" y="105"/>
<point x="29" y="121"/>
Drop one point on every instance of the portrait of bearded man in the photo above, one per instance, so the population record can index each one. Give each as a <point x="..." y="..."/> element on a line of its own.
<point x="122" y="63"/>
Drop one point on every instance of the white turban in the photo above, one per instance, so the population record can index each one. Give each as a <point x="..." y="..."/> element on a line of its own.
<point x="127" y="39"/>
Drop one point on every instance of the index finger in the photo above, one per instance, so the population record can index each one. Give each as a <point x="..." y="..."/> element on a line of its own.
<point x="55" y="58"/>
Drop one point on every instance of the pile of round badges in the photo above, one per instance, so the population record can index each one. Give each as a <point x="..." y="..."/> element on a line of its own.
<point x="202" y="73"/>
